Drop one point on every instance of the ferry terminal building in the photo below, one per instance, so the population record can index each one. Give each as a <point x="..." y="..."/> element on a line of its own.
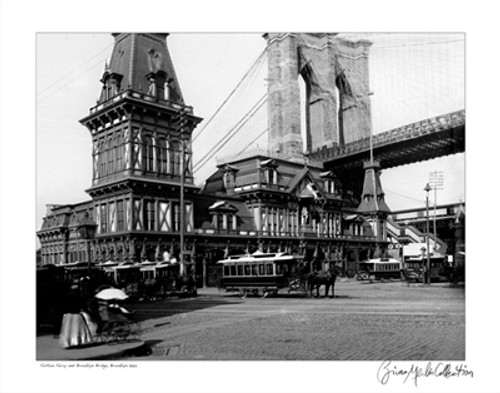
<point x="271" y="200"/>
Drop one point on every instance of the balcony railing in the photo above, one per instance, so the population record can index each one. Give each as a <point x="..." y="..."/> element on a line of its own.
<point x="299" y="158"/>
<point x="298" y="234"/>
<point x="409" y="131"/>
<point x="140" y="96"/>
<point x="258" y="186"/>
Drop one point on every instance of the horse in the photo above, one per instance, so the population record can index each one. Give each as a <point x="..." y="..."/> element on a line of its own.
<point x="150" y="288"/>
<point x="328" y="278"/>
<point x="187" y="284"/>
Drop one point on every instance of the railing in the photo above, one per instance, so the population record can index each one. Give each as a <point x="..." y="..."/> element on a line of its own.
<point x="299" y="158"/>
<point x="409" y="131"/>
<point x="141" y="96"/>
<point x="258" y="186"/>
<point x="298" y="234"/>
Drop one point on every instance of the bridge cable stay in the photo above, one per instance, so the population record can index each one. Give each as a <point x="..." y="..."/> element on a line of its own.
<point x="396" y="70"/>
<point x="416" y="81"/>
<point x="236" y="128"/>
<point x="243" y="78"/>
<point x="388" y="191"/>
<point x="73" y="70"/>
<point x="70" y="81"/>
<point x="428" y="73"/>
<point x="253" y="141"/>
<point x="231" y="133"/>
<point x="402" y="69"/>
<point x="233" y="130"/>
<point x="433" y="93"/>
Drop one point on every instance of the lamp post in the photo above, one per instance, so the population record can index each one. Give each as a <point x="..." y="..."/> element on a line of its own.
<point x="427" y="189"/>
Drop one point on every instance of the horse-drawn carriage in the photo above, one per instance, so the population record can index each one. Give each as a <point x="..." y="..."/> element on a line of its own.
<point x="379" y="269"/>
<point x="261" y="273"/>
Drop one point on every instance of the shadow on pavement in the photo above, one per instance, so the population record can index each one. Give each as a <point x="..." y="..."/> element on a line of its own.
<point x="170" y="306"/>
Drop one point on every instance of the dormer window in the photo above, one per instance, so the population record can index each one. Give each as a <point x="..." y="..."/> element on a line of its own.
<point x="329" y="186"/>
<point x="271" y="176"/>
<point x="228" y="180"/>
<point x="269" y="168"/>
<point x="111" y="85"/>
<point x="156" y="84"/>
<point x="229" y="177"/>
<point x="224" y="216"/>
<point x="330" y="183"/>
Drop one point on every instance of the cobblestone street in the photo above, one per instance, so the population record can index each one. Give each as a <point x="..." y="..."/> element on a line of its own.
<point x="364" y="322"/>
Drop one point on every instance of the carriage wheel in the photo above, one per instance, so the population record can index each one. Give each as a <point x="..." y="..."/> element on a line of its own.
<point x="243" y="294"/>
<point x="122" y="332"/>
<point x="295" y="285"/>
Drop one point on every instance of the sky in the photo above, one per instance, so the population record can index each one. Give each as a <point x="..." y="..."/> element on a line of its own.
<point x="412" y="77"/>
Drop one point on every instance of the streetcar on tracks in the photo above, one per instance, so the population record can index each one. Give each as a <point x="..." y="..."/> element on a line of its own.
<point x="261" y="273"/>
<point x="379" y="269"/>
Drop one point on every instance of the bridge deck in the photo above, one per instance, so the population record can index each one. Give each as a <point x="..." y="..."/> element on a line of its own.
<point x="424" y="140"/>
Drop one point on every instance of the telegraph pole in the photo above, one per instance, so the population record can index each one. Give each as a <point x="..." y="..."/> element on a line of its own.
<point x="427" y="189"/>
<point x="436" y="181"/>
<point x="181" y="124"/>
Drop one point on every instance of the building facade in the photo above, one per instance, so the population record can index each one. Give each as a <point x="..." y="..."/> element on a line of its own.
<point x="275" y="200"/>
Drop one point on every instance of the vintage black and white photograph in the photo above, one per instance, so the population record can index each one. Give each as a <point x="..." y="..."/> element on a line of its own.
<point x="251" y="196"/>
<point x="216" y="197"/>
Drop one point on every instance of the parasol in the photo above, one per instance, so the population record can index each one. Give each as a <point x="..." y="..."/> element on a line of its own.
<point x="111" y="294"/>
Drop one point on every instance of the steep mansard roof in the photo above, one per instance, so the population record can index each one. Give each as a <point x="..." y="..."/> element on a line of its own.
<point x="137" y="55"/>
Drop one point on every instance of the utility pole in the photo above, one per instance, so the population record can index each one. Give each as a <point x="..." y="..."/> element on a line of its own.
<point x="436" y="180"/>
<point x="180" y="126"/>
<point x="427" y="189"/>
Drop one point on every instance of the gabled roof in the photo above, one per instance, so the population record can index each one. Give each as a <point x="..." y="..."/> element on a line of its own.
<point x="353" y="217"/>
<point x="203" y="206"/>
<point x="311" y="190"/>
<point x="223" y="205"/>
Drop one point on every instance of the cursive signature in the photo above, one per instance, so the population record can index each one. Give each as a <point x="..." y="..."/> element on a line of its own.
<point x="387" y="370"/>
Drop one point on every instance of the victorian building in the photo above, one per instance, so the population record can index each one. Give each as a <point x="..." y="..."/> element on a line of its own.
<point x="272" y="200"/>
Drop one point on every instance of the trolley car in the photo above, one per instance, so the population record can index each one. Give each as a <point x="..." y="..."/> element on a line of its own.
<point x="260" y="273"/>
<point x="379" y="269"/>
<point x="438" y="266"/>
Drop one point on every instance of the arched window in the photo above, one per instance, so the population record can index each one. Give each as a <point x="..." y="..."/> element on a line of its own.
<point x="341" y="90"/>
<point x="104" y="218"/>
<point x="148" y="154"/>
<point x="271" y="176"/>
<point x="119" y="153"/>
<point x="120" y="216"/>
<point x="101" y="162"/>
<point x="149" y="215"/>
<point x="329" y="186"/>
<point x="162" y="156"/>
<point x="175" y="156"/>
<point x="110" y="155"/>
<point x="304" y="111"/>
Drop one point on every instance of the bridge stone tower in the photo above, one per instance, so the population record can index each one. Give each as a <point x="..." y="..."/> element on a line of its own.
<point x="337" y="105"/>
